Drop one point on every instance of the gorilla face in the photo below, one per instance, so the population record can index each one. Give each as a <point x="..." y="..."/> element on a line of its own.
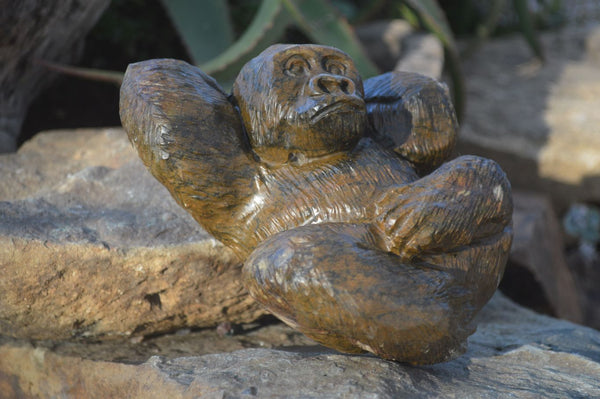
<point x="301" y="102"/>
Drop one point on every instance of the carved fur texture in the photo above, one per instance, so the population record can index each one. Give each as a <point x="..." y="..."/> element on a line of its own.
<point x="338" y="195"/>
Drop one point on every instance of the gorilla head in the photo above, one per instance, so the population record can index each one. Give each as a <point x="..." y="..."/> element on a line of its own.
<point x="300" y="102"/>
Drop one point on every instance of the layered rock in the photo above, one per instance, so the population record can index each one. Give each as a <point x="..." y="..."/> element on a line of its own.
<point x="92" y="245"/>
<point x="514" y="353"/>
<point x="395" y="45"/>
<point x="539" y="120"/>
<point x="538" y="248"/>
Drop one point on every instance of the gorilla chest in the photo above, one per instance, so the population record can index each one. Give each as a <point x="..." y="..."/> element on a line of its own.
<point x="339" y="190"/>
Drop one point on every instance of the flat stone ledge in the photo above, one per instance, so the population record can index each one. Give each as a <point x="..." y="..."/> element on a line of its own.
<point x="514" y="353"/>
<point x="91" y="245"/>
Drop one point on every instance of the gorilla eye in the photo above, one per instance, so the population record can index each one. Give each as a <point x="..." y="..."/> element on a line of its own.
<point x="296" y="66"/>
<point x="335" y="68"/>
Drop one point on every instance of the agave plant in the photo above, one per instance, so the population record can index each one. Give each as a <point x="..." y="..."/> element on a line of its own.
<point x="207" y="32"/>
<point x="319" y="20"/>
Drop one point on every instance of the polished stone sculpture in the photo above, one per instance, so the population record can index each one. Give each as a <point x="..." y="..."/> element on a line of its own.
<point x="334" y="195"/>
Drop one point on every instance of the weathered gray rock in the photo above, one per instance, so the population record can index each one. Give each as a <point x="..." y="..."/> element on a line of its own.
<point x="34" y="30"/>
<point x="515" y="353"/>
<point x="395" y="45"/>
<point x="538" y="247"/>
<point x="92" y="246"/>
<point x="584" y="260"/>
<point x="83" y="223"/>
<point x="424" y="54"/>
<point x="384" y="41"/>
<point x="540" y="121"/>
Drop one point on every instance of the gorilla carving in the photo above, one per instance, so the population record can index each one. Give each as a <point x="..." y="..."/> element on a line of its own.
<point x="334" y="195"/>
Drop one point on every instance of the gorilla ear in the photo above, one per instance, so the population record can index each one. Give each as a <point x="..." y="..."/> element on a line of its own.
<point x="414" y="114"/>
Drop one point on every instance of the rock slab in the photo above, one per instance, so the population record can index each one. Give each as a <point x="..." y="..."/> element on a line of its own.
<point x="514" y="353"/>
<point x="395" y="45"/>
<point x="540" y="121"/>
<point x="92" y="246"/>
<point x="538" y="247"/>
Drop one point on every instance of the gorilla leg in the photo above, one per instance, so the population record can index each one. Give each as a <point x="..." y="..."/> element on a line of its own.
<point x="330" y="282"/>
<point x="465" y="202"/>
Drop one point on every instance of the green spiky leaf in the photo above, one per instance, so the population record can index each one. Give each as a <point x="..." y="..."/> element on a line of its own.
<point x="266" y="28"/>
<point x="433" y="19"/>
<point x="321" y="21"/>
<point x="99" y="75"/>
<point x="527" y="27"/>
<point x="204" y="26"/>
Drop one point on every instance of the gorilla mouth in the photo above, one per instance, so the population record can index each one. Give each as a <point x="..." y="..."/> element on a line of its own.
<point x="344" y="104"/>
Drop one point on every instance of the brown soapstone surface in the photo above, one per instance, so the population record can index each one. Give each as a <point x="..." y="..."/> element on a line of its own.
<point x="337" y="194"/>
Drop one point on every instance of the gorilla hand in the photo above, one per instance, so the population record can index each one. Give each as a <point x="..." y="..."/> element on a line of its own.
<point x="414" y="112"/>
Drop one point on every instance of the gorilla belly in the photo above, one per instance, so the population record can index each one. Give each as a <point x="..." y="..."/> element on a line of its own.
<point x="328" y="192"/>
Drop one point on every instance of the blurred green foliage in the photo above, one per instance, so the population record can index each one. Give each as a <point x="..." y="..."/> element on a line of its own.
<point x="479" y="20"/>
<point x="132" y="30"/>
<point x="322" y="21"/>
<point x="221" y="35"/>
<point x="319" y="20"/>
<point x="204" y="26"/>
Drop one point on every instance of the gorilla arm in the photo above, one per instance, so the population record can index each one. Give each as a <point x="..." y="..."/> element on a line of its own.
<point x="416" y="113"/>
<point x="191" y="139"/>
<point x="463" y="204"/>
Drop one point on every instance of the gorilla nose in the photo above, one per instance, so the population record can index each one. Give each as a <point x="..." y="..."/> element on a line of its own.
<point x="331" y="84"/>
